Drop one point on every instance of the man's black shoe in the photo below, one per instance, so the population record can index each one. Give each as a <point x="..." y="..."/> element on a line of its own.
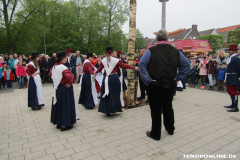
<point x="37" y="108"/>
<point x="170" y="133"/>
<point x="108" y="114"/>
<point x="58" y="127"/>
<point x="228" y="106"/>
<point x="140" y="98"/>
<point x="149" y="135"/>
<point x="66" y="128"/>
<point x="233" y="110"/>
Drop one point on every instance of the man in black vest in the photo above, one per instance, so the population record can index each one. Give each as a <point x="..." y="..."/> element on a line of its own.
<point x="158" y="69"/>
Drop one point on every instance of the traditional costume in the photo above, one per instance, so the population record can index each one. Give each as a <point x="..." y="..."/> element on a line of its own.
<point x="64" y="103"/>
<point x="99" y="76"/>
<point x="89" y="86"/>
<point x="232" y="81"/>
<point x="111" y="91"/>
<point x="35" y="93"/>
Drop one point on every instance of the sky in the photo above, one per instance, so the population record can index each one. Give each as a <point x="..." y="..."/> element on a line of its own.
<point x="207" y="14"/>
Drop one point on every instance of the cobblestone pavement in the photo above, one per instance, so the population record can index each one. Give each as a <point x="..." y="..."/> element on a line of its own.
<point x="202" y="127"/>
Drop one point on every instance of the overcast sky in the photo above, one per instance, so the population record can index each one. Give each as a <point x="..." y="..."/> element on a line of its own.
<point x="207" y="14"/>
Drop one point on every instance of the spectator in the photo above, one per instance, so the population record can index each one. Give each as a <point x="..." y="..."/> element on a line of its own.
<point x="6" y="57"/>
<point x="47" y="65"/>
<point x="203" y="71"/>
<point x="24" y="58"/>
<point x="20" y="72"/>
<point x="3" y="69"/>
<point x="221" y="77"/>
<point x="15" y="56"/>
<point x="11" y="65"/>
<point x="53" y="58"/>
<point x="94" y="61"/>
<point x="192" y="73"/>
<point x="78" y="58"/>
<point x="8" y="76"/>
<point x="1" y="77"/>
<point x="211" y="67"/>
<point x="29" y="59"/>
<point x="79" y="70"/>
<point x="219" y="60"/>
<point x="1" y="61"/>
<point x="17" y="60"/>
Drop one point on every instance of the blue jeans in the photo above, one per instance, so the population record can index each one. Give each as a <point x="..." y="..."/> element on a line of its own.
<point x="9" y="84"/>
<point x="20" y="81"/>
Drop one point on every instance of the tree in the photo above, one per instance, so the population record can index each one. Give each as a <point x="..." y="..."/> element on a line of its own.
<point x="8" y="11"/>
<point x="233" y="37"/>
<point x="139" y="41"/>
<point x="131" y="49"/>
<point x="215" y="41"/>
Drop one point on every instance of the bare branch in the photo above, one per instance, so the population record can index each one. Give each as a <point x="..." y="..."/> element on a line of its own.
<point x="1" y="10"/>
<point x="25" y="21"/>
<point x="8" y="2"/>
<point x="14" y="6"/>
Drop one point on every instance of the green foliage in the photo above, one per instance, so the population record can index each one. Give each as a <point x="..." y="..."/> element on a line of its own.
<point x="215" y="41"/>
<point x="233" y="37"/>
<point x="85" y="25"/>
<point x="140" y="43"/>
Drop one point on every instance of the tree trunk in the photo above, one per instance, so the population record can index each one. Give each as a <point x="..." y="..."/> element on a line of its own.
<point x="131" y="50"/>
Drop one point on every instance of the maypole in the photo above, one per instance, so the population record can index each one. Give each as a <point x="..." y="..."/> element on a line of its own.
<point x="131" y="51"/>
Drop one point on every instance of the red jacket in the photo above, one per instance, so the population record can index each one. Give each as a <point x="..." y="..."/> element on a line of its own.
<point x="20" y="71"/>
<point x="5" y="75"/>
<point x="94" y="61"/>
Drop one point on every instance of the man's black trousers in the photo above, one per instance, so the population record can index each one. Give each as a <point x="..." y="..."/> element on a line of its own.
<point x="161" y="98"/>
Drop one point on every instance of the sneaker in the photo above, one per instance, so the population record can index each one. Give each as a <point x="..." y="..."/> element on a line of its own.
<point x="203" y="87"/>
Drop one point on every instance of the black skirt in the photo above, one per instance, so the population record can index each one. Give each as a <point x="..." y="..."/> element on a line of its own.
<point x="111" y="103"/>
<point x="86" y="98"/>
<point x="32" y="94"/>
<point x="63" y="112"/>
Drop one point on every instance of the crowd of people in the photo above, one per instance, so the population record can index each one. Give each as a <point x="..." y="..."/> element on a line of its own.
<point x="102" y="76"/>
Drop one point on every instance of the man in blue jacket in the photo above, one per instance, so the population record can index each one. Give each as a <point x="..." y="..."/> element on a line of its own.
<point x="232" y="75"/>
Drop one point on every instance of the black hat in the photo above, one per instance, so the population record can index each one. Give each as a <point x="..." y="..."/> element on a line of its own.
<point x="109" y="49"/>
<point x="35" y="54"/>
<point x="223" y="63"/>
<point x="90" y="54"/>
<point x="61" y="54"/>
<point x="4" y="63"/>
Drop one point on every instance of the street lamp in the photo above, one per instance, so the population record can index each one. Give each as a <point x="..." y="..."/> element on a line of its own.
<point x="163" y="13"/>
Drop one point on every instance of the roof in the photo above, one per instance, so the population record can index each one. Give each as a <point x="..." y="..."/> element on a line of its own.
<point x="147" y="41"/>
<point x="190" y="45"/>
<point x="226" y="29"/>
<point x="224" y="34"/>
<point x="181" y="35"/>
<point x="207" y="32"/>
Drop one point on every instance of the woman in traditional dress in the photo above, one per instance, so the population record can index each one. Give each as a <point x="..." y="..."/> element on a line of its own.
<point x="90" y="87"/>
<point x="64" y="105"/>
<point x="35" y="93"/>
<point x="112" y="92"/>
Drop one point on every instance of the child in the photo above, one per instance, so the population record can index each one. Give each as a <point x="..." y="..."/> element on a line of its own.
<point x="79" y="72"/>
<point x="211" y="67"/>
<point x="203" y="71"/>
<point x="221" y="76"/>
<point x="192" y="73"/>
<point x="1" y="79"/>
<point x="3" y="69"/>
<point x="8" y="76"/>
<point x="20" y="72"/>
<point x="25" y="67"/>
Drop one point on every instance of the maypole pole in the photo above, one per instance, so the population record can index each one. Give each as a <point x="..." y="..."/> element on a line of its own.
<point x="131" y="52"/>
